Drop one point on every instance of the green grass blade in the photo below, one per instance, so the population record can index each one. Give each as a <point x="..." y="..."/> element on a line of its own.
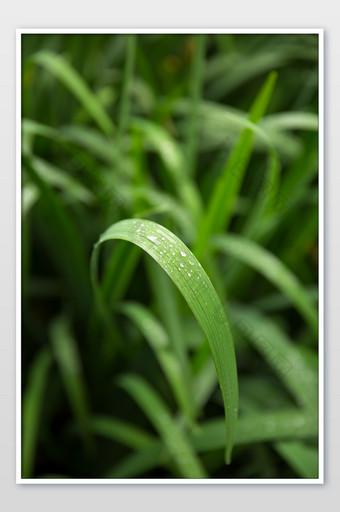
<point x="273" y="269"/>
<point x="159" y="341"/>
<point x="287" y="424"/>
<point x="66" y="353"/>
<point x="121" y="432"/>
<point x="285" y="358"/>
<point x="258" y="428"/>
<point x="119" y="271"/>
<point x="32" y="409"/>
<point x="160" y="416"/>
<point x="123" y="116"/>
<point x="61" y="69"/>
<point x="173" y="158"/>
<point x="168" y="311"/>
<point x="56" y="177"/>
<point x="221" y="202"/>
<point x="66" y="247"/>
<point x="302" y="458"/>
<point x="137" y="463"/>
<point x="195" y="92"/>
<point x="188" y="275"/>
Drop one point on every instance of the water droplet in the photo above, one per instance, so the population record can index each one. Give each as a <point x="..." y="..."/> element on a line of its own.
<point x="152" y="238"/>
<point x="191" y="262"/>
<point x="189" y="274"/>
<point x="182" y="265"/>
<point x="183" y="253"/>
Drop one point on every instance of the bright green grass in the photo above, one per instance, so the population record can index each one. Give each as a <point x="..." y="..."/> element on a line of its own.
<point x="201" y="152"/>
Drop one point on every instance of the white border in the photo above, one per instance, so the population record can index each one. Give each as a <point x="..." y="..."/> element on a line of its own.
<point x="139" y="481"/>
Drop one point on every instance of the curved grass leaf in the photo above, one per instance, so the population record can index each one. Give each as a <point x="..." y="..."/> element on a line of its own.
<point x="273" y="269"/>
<point x="188" y="275"/>
<point x="32" y="409"/>
<point x="159" y="341"/>
<point x="60" y="68"/>
<point x="173" y="437"/>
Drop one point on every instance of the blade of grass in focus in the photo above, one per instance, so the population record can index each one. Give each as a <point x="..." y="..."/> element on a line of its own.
<point x="188" y="275"/>
<point x="173" y="437"/>
<point x="32" y="408"/>
<point x="64" y="71"/>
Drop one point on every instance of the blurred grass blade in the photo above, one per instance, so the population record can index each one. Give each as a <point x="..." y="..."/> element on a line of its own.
<point x="290" y="121"/>
<point x="119" y="271"/>
<point x="173" y="158"/>
<point x="138" y="463"/>
<point x="282" y="355"/>
<point x="168" y="310"/>
<point x="121" y="432"/>
<point x="257" y="428"/>
<point x="160" y="416"/>
<point x="195" y="92"/>
<point x="29" y="197"/>
<point x="159" y="341"/>
<point x="68" y="359"/>
<point x="302" y="458"/>
<point x="60" y="68"/>
<point x="273" y="269"/>
<point x="221" y="202"/>
<point x="32" y="407"/>
<point x="123" y="116"/>
<point x="55" y="177"/>
<point x="253" y="428"/>
<point x="192" y="281"/>
<point x="66" y="248"/>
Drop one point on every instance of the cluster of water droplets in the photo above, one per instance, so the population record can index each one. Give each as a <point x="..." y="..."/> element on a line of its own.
<point x="172" y="253"/>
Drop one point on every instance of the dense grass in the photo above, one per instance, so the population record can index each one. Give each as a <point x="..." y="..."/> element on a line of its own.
<point x="202" y="151"/>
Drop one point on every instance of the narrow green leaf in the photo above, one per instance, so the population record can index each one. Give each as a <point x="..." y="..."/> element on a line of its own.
<point x="64" y="71"/>
<point x="280" y="352"/>
<point x="159" y="341"/>
<point x="173" y="437"/>
<point x="273" y="269"/>
<point x="192" y="281"/>
<point x="195" y="91"/>
<point x="32" y="409"/>
<point x="121" y="432"/>
<point x="66" y="248"/>
<point x="221" y="202"/>
<point x="302" y="458"/>
<point x="66" y="353"/>
<point x="173" y="158"/>
<point x="123" y="117"/>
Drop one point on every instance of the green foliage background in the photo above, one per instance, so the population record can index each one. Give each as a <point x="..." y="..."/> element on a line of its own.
<point x="214" y="137"/>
